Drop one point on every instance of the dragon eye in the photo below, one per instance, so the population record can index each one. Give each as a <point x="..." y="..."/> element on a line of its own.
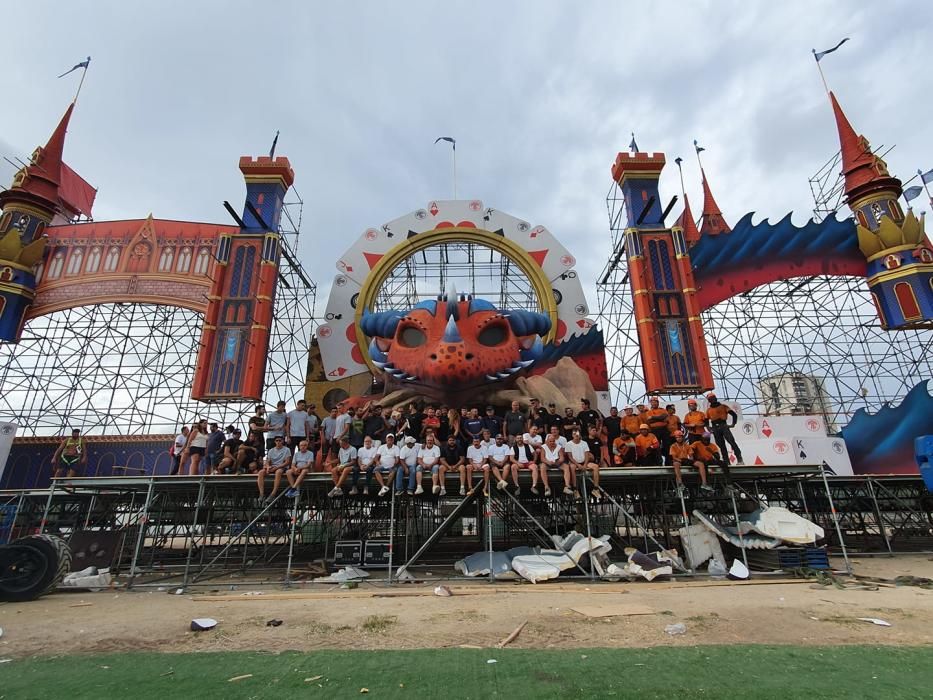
<point x="492" y="335"/>
<point x="412" y="337"/>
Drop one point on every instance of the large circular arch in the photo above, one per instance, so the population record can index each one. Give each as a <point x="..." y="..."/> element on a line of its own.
<point x="404" y="250"/>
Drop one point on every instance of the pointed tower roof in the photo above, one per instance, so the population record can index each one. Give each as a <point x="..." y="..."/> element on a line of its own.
<point x="864" y="172"/>
<point x="39" y="181"/>
<point x="687" y="223"/>
<point x="711" y="221"/>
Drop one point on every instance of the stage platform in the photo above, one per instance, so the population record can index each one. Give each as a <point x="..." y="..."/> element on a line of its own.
<point x="188" y="530"/>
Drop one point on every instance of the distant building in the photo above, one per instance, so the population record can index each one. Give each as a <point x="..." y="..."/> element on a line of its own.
<point x="793" y="394"/>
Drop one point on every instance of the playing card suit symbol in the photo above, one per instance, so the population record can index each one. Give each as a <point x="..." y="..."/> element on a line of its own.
<point x="781" y="447"/>
<point x="341" y="265"/>
<point x="339" y="372"/>
<point x="433" y="209"/>
<point x="759" y="461"/>
<point x="420" y="214"/>
<point x="324" y="331"/>
<point x="476" y="205"/>
<point x="585" y="323"/>
<point x="523" y="226"/>
<point x="766" y="429"/>
<point x="340" y="281"/>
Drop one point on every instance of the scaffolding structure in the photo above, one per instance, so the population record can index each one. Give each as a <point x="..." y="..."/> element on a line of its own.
<point x="127" y="368"/>
<point x="820" y="326"/>
<point x="469" y="268"/>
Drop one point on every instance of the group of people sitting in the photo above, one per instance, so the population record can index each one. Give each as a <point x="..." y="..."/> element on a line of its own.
<point x="397" y="448"/>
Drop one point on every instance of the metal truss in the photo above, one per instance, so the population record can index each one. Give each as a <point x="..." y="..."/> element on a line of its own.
<point x="127" y="368"/>
<point x="827" y="185"/>
<point x="191" y="530"/>
<point x="823" y="327"/>
<point x="468" y="267"/>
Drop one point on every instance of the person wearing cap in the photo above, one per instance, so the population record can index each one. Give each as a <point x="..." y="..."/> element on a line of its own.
<point x="340" y="464"/>
<point x="476" y="460"/>
<point x="681" y="452"/>
<point x="523" y="457"/>
<point x="500" y="461"/>
<point x="647" y="448"/>
<point x="551" y="456"/>
<point x="387" y="456"/>
<point x="717" y="414"/>
<point x="612" y="424"/>
<point x="451" y="460"/>
<point x="569" y="423"/>
<point x="630" y="422"/>
<point x="231" y="449"/>
<point x="409" y="466"/>
<point x="491" y="421"/>
<point x="429" y="460"/>
<point x="365" y="462"/>
<point x="705" y="451"/>
<point x="580" y="458"/>
<point x="588" y="416"/>
<point x="694" y="421"/>
<point x="302" y="461"/>
<point x="656" y="418"/>
<point x="278" y="459"/>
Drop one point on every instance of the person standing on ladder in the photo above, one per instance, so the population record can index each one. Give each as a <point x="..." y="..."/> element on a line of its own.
<point x="717" y="413"/>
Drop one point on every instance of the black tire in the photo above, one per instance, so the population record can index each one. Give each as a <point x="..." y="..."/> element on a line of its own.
<point x="58" y="551"/>
<point x="25" y="571"/>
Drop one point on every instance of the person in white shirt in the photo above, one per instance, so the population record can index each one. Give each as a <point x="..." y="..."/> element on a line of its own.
<point x="523" y="457"/>
<point x="533" y="439"/>
<point x="475" y="460"/>
<point x="386" y="463"/>
<point x="558" y="438"/>
<point x="302" y="462"/>
<point x="341" y="465"/>
<point x="366" y="460"/>
<point x="499" y="462"/>
<point x="296" y="425"/>
<point x="552" y="455"/>
<point x="487" y="440"/>
<point x="579" y="458"/>
<point x="410" y="467"/>
<point x="429" y="459"/>
<point x="277" y="462"/>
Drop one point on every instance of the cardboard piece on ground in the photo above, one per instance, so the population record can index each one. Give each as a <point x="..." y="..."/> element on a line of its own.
<point x="613" y="610"/>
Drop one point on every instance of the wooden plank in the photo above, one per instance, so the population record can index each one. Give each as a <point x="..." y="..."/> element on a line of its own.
<point x="613" y="610"/>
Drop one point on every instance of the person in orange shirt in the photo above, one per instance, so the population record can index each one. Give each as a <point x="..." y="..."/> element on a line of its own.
<point x="647" y="448"/>
<point x="681" y="452"/>
<point x="694" y="421"/>
<point x="623" y="451"/>
<point x="717" y="413"/>
<point x="656" y="418"/>
<point x="705" y="451"/>
<point x="630" y="422"/>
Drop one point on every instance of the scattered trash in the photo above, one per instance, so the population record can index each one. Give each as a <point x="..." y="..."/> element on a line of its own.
<point x="313" y="678"/>
<point x="675" y="629"/>
<point x="469" y="646"/>
<point x="443" y="591"/>
<point x="875" y="621"/>
<point x="254" y="593"/>
<point x="612" y="610"/>
<point x="364" y="690"/>
<point x="349" y="585"/>
<point x="80" y="605"/>
<point x="513" y="636"/>
<point x="179" y="591"/>
<point x="738" y="571"/>
<point x="491" y="661"/>
<point x="717" y="569"/>
<point x="240" y="678"/>
<point x="167" y="673"/>
<point x="347" y="573"/>
<point x="5" y="661"/>
<point x="201" y="624"/>
<point x="273" y="623"/>
<point x="647" y="566"/>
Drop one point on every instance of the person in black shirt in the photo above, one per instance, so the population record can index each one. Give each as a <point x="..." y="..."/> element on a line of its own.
<point x="451" y="461"/>
<point x="515" y="423"/>
<point x="492" y="422"/>
<point x="553" y="417"/>
<point x="374" y="424"/>
<point x="569" y="423"/>
<point x="415" y="418"/>
<point x="443" y="430"/>
<point x="540" y="419"/>
<point x="596" y="447"/>
<point x="230" y="449"/>
<point x="587" y="417"/>
<point x="613" y="425"/>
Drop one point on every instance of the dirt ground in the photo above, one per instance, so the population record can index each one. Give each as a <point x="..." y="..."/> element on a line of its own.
<point x="800" y="612"/>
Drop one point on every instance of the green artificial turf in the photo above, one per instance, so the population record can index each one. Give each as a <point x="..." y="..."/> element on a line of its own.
<point x="746" y="672"/>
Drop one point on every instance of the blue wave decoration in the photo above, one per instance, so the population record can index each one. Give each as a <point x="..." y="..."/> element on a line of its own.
<point x="766" y="242"/>
<point x="883" y="442"/>
<point x="574" y="347"/>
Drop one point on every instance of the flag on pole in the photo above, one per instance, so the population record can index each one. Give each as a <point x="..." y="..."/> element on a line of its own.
<point x="449" y="139"/>
<point x="927" y="177"/>
<point x="697" y="146"/>
<point x="274" y="142"/>
<point x="819" y="54"/>
<point x="912" y="192"/>
<point x="678" y="160"/>
<point x="633" y="147"/>
<point x="84" y="64"/>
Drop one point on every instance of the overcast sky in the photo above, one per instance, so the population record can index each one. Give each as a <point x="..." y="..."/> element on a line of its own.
<point x="539" y="95"/>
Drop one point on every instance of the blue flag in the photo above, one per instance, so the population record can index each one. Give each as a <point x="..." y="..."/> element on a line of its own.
<point x="912" y="192"/>
<point x="633" y="147"/>
<point x="819" y="54"/>
<point x="927" y="177"/>
<point x="84" y="64"/>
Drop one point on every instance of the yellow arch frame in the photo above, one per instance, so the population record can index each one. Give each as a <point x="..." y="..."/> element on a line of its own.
<point x="409" y="247"/>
